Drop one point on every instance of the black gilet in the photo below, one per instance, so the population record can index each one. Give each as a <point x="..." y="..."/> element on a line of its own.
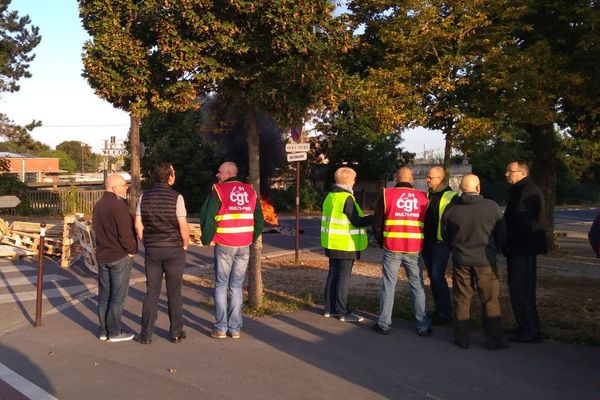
<point x="158" y="210"/>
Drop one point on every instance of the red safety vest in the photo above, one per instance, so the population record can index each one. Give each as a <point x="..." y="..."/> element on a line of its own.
<point x="235" y="219"/>
<point x="404" y="216"/>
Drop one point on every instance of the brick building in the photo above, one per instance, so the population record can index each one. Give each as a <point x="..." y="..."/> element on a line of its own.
<point x="30" y="168"/>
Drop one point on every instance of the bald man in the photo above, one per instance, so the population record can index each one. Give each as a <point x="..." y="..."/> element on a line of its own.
<point x="475" y="230"/>
<point x="231" y="220"/>
<point x="116" y="246"/>
<point x="435" y="252"/>
<point x="398" y="228"/>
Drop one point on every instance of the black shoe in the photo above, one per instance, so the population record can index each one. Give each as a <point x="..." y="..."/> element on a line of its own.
<point x="461" y="344"/>
<point x="437" y="320"/>
<point x="380" y="330"/>
<point x="425" y="332"/>
<point x="526" y="338"/>
<point x="142" y="340"/>
<point x="513" y="331"/>
<point x="179" y="338"/>
<point x="496" y="346"/>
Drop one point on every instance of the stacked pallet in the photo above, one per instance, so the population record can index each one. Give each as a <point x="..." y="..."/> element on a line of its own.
<point x="72" y="240"/>
<point x="195" y="233"/>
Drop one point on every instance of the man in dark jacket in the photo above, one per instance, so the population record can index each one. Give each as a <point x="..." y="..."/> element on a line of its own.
<point x="115" y="248"/>
<point x="474" y="229"/>
<point x="435" y="252"/>
<point x="526" y="225"/>
<point x="343" y="237"/>
<point x="161" y="223"/>
<point x="594" y="235"/>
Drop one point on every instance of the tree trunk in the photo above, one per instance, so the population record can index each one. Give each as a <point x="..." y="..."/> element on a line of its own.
<point x="134" y="139"/>
<point x="544" y="168"/>
<point x="255" y="286"/>
<point x="447" y="156"/>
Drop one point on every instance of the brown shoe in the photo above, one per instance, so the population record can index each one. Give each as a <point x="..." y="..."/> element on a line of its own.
<point x="233" y="335"/>
<point x="215" y="334"/>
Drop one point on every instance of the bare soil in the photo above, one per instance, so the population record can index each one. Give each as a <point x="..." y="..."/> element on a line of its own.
<point x="568" y="288"/>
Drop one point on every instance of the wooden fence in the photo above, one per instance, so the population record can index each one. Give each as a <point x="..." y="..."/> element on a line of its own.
<point x="64" y="201"/>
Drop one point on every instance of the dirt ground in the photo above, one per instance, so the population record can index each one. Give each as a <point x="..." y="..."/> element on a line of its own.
<point x="568" y="288"/>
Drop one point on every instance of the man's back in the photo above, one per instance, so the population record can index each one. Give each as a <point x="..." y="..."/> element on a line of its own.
<point x="475" y="230"/>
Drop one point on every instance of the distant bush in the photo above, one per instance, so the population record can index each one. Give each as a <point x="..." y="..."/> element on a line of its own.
<point x="311" y="199"/>
<point x="577" y="193"/>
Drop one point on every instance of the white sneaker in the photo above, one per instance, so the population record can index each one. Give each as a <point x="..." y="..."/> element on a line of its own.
<point x="103" y="337"/>
<point x="351" y="318"/>
<point x="121" y="337"/>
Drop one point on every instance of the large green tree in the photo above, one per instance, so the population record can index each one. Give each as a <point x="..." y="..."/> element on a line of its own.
<point x="277" y="57"/>
<point x="475" y="69"/>
<point x="81" y="153"/>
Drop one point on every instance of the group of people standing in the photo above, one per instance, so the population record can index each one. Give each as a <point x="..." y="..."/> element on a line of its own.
<point x="416" y="228"/>
<point x="231" y="220"/>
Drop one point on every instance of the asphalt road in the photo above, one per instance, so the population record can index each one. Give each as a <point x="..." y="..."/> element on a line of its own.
<point x="297" y="356"/>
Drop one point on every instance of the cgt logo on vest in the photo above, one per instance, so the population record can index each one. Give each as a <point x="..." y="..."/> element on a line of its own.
<point x="407" y="202"/>
<point x="239" y="196"/>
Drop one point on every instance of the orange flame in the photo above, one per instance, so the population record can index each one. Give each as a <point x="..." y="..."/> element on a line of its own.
<point x="269" y="212"/>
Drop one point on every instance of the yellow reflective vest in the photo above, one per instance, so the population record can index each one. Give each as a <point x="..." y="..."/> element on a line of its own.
<point x="337" y="233"/>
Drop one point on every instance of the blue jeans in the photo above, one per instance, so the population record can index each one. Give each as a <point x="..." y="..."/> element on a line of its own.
<point x="113" y="285"/>
<point x="413" y="267"/>
<point x="435" y="256"/>
<point x="230" y="269"/>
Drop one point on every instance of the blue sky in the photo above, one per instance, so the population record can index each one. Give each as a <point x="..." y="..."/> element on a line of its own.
<point x="60" y="97"/>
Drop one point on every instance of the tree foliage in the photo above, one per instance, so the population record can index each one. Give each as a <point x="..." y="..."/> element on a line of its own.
<point x="175" y="137"/>
<point x="18" y="38"/>
<point x="81" y="153"/>
<point x="351" y="138"/>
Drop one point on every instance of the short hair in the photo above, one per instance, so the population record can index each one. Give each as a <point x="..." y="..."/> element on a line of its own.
<point x="404" y="174"/>
<point x="522" y="164"/>
<point x="343" y="175"/>
<point x="440" y="169"/>
<point x="162" y="172"/>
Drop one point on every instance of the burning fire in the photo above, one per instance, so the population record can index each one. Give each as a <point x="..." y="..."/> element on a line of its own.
<point x="269" y="212"/>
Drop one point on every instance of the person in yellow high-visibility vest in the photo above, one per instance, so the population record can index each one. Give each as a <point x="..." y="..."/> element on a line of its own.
<point x="435" y="252"/>
<point x="343" y="236"/>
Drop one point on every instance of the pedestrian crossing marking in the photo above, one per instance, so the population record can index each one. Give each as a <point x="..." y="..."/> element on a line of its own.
<point x="29" y="389"/>
<point x="16" y="268"/>
<point x="47" y="294"/>
<point x="28" y="280"/>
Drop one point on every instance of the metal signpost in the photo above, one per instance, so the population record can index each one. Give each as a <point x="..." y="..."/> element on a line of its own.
<point x="296" y="153"/>
<point x="40" y="280"/>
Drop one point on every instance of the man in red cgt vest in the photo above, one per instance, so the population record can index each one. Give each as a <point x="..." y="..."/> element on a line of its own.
<point x="231" y="220"/>
<point x="398" y="228"/>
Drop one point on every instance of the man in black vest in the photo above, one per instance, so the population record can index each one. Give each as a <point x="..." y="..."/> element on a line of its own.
<point x="161" y="223"/>
<point x="526" y="225"/>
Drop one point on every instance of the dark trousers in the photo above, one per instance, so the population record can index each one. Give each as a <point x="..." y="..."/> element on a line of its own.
<point x="436" y="255"/>
<point x="522" y="280"/>
<point x="336" y="286"/>
<point x="485" y="280"/>
<point x="169" y="261"/>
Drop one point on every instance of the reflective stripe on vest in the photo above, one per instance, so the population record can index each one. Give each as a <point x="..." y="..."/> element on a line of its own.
<point x="444" y="201"/>
<point x="235" y="218"/>
<point x="404" y="215"/>
<point x="337" y="232"/>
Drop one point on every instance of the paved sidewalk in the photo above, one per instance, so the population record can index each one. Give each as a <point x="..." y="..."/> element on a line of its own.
<point x="294" y="356"/>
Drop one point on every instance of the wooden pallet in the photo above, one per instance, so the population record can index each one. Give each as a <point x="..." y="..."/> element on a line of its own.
<point x="14" y="252"/>
<point x="83" y="235"/>
<point x="195" y="233"/>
